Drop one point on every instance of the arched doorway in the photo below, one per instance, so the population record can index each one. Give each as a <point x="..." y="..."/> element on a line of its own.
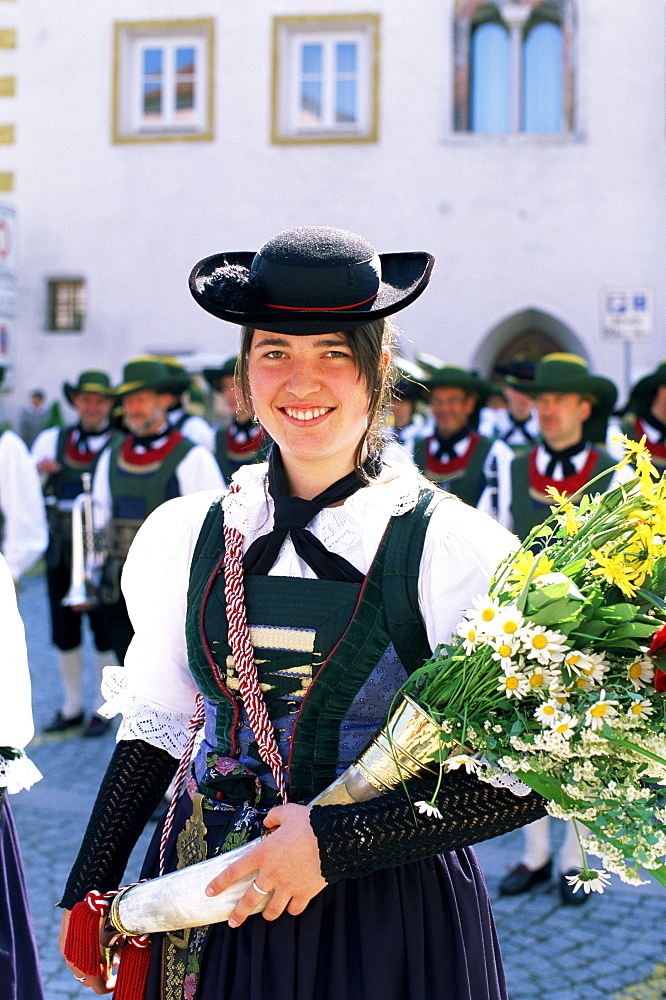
<point x="525" y="336"/>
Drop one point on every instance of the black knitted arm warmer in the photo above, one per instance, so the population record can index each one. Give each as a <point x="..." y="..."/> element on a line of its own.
<point x="355" y="840"/>
<point x="137" y="777"/>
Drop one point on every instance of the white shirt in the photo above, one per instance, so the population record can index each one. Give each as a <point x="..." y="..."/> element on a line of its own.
<point x="197" y="471"/>
<point x="195" y="428"/>
<point x="22" y="504"/>
<point x="155" y="690"/>
<point x="16" y="725"/>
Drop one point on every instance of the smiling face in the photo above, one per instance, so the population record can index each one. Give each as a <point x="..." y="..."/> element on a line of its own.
<point x="308" y="394"/>
<point x="451" y="408"/>
<point x="93" y="409"/>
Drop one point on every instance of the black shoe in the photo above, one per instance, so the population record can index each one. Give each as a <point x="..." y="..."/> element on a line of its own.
<point x="567" y="894"/>
<point x="522" y="879"/>
<point x="97" y="726"/>
<point x="62" y="724"/>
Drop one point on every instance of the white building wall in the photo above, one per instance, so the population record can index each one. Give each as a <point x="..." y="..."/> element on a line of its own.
<point x="516" y="223"/>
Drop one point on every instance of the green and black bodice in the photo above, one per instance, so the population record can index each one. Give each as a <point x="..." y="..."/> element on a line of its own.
<point x="330" y="658"/>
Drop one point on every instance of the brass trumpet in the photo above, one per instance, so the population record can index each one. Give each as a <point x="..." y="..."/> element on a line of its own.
<point x="87" y="560"/>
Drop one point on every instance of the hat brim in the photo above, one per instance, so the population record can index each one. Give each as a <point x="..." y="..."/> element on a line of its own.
<point x="142" y="386"/>
<point x="642" y="394"/>
<point x="601" y="389"/>
<point x="404" y="277"/>
<point x="72" y="390"/>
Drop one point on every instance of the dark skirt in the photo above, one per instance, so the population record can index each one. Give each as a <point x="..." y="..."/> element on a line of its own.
<point x="20" y="978"/>
<point x="422" y="931"/>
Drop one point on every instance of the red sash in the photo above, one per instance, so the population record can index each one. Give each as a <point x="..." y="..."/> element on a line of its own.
<point x="570" y="484"/>
<point x="457" y="464"/>
<point x="151" y="456"/>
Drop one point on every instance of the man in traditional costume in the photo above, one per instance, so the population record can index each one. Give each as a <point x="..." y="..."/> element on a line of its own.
<point x="646" y="414"/>
<point x="62" y="457"/>
<point x="290" y="611"/>
<point x="152" y="464"/>
<point x="191" y="425"/>
<point x="517" y="425"/>
<point x="242" y="440"/>
<point x="473" y="467"/>
<point x="572" y="406"/>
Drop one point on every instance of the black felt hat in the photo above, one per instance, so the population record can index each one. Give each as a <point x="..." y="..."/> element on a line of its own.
<point x="518" y="374"/>
<point x="310" y="280"/>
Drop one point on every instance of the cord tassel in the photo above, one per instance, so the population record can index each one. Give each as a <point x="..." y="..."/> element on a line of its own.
<point x="82" y="944"/>
<point x="133" y="969"/>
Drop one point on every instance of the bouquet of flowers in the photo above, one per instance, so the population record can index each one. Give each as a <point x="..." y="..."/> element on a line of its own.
<point x="554" y="673"/>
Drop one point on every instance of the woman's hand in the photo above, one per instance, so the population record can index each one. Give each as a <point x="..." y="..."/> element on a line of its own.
<point x="96" y="983"/>
<point x="286" y="863"/>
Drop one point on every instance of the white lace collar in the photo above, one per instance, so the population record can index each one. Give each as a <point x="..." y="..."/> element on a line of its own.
<point x="250" y="509"/>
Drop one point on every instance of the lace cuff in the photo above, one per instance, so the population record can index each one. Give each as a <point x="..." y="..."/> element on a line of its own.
<point x="355" y="840"/>
<point x="142" y="720"/>
<point x="17" y="773"/>
<point x="136" y="779"/>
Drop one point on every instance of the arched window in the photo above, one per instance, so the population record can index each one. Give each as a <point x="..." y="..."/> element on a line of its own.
<point x="542" y="79"/>
<point x="513" y="66"/>
<point x="490" y="78"/>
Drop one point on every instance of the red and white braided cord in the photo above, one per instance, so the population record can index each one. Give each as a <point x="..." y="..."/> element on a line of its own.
<point x="195" y="724"/>
<point x="100" y="902"/>
<point x="243" y="654"/>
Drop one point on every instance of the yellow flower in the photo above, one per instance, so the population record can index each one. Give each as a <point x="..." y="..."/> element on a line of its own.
<point x="567" y="515"/>
<point x="522" y="566"/>
<point x="637" y="452"/>
<point x="614" y="570"/>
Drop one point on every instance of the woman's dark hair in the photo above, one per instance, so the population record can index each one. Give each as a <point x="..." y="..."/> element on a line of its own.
<point x="367" y="343"/>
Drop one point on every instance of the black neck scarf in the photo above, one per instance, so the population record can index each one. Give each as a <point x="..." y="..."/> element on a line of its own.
<point x="563" y="458"/>
<point x="148" y="440"/>
<point x="446" y="445"/>
<point x="84" y="436"/>
<point x="519" y="425"/>
<point x="293" y="514"/>
<point x="655" y="422"/>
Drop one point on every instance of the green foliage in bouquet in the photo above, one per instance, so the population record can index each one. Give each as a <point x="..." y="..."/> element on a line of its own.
<point x="554" y="677"/>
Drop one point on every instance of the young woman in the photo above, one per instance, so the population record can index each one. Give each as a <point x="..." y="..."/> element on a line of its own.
<point x="348" y="573"/>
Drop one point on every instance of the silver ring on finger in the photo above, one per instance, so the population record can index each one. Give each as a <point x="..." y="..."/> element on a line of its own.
<point x="80" y="979"/>
<point x="262" y="892"/>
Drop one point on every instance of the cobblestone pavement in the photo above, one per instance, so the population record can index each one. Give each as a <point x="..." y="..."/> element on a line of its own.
<point x="611" y="948"/>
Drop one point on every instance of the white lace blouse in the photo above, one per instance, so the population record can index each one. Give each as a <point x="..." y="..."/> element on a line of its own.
<point x="155" y="691"/>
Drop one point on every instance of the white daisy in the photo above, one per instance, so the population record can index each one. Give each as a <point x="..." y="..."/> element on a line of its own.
<point x="543" y="645"/>
<point x="602" y="711"/>
<point x="594" y="666"/>
<point x="548" y="714"/>
<point x="509" y="621"/>
<point x="513" y="685"/>
<point x="539" y="678"/>
<point x="504" y="650"/>
<point x="640" y="710"/>
<point x="591" y="880"/>
<point x="428" y="809"/>
<point x="487" y="609"/>
<point x="565" y="726"/>
<point x="640" y="672"/>
<point x="462" y="760"/>
<point x="469" y="634"/>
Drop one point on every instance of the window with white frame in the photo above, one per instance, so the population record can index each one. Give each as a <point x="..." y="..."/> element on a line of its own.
<point x="163" y="87"/>
<point x="325" y="78"/>
<point x="513" y="66"/>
